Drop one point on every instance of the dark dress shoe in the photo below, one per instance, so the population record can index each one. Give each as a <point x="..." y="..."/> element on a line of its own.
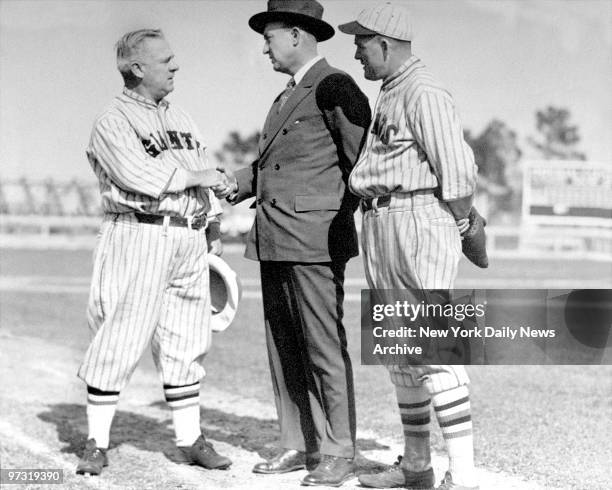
<point x="286" y="461"/>
<point x="202" y="453"/>
<point x="332" y="471"/>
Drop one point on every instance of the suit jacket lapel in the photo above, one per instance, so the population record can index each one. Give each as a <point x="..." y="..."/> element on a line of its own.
<point x="274" y="121"/>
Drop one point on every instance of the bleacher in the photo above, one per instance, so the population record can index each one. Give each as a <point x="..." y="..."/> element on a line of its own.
<point x="30" y="207"/>
<point x="34" y="211"/>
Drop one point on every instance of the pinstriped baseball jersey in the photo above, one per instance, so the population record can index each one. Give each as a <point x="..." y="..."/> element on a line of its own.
<point x="150" y="282"/>
<point x="415" y="144"/>
<point x="135" y="149"/>
<point x="415" y="140"/>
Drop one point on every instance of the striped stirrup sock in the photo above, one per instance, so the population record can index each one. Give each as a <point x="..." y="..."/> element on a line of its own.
<point x="184" y="401"/>
<point x="414" y="407"/>
<point x="101" y="407"/>
<point x="452" y="408"/>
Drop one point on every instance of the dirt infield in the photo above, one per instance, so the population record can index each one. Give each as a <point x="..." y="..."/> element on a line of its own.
<point x="44" y="426"/>
<point x="535" y="427"/>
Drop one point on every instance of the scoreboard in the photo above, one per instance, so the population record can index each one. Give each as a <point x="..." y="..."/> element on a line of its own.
<point x="567" y="193"/>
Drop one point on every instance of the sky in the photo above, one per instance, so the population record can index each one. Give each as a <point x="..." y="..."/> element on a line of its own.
<point x="501" y="59"/>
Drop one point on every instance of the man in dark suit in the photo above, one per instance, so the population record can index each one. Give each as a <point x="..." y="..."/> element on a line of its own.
<point x="303" y="235"/>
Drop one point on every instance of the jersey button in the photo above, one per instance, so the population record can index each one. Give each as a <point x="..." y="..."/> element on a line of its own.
<point x="277" y="167"/>
<point x="273" y="202"/>
<point x="284" y="130"/>
<point x="259" y="201"/>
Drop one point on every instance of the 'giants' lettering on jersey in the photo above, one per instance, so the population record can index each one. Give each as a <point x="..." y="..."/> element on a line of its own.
<point x="176" y="140"/>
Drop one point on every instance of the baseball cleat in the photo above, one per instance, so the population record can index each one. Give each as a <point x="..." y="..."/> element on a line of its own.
<point x="447" y="484"/>
<point x="93" y="459"/>
<point x="397" y="477"/>
<point x="202" y="453"/>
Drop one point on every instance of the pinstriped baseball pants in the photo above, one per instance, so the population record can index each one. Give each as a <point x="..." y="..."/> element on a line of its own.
<point x="149" y="285"/>
<point x="414" y="243"/>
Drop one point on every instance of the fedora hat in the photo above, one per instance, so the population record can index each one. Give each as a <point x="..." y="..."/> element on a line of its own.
<point x="304" y="13"/>
<point x="225" y="293"/>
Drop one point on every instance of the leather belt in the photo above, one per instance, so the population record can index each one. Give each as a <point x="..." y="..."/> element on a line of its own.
<point x="156" y="219"/>
<point x="381" y="202"/>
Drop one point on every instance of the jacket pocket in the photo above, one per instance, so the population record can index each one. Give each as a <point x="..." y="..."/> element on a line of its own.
<point x="317" y="203"/>
<point x="302" y="122"/>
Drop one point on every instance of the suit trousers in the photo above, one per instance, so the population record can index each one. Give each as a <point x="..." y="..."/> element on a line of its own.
<point x="311" y="370"/>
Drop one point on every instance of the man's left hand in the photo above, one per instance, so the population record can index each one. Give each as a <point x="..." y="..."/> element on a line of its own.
<point x="213" y="237"/>
<point x="215" y="247"/>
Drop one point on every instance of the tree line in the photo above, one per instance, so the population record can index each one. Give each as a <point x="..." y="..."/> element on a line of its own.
<point x="497" y="153"/>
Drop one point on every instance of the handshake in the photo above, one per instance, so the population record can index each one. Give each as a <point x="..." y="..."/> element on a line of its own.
<point x="222" y="182"/>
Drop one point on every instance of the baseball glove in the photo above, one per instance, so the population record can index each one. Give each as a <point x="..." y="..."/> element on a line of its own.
<point x="474" y="240"/>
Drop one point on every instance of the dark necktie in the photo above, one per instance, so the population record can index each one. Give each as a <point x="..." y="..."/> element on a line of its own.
<point x="286" y="94"/>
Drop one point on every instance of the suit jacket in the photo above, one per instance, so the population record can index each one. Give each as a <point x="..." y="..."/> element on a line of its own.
<point x="304" y="211"/>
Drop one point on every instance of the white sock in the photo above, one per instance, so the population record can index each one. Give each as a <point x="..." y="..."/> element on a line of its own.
<point x="184" y="401"/>
<point x="452" y="408"/>
<point x="101" y="407"/>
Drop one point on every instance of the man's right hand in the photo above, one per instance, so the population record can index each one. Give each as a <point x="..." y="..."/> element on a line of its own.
<point x="186" y="179"/>
<point x="211" y="178"/>
<point x="230" y="186"/>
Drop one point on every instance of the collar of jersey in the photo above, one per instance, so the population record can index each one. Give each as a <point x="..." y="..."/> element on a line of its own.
<point x="401" y="73"/>
<point x="143" y="100"/>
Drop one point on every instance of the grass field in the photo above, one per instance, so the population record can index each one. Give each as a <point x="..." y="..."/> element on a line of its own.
<point x="548" y="425"/>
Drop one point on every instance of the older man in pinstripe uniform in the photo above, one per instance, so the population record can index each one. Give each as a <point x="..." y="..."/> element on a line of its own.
<point x="416" y="177"/>
<point x="150" y="278"/>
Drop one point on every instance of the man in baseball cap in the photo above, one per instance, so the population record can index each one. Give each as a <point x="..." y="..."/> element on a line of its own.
<point x="416" y="177"/>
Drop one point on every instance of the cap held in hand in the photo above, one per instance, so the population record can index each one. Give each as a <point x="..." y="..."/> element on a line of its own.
<point x="225" y="293"/>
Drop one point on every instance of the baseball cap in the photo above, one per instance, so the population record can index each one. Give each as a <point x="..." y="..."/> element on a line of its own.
<point x="387" y="19"/>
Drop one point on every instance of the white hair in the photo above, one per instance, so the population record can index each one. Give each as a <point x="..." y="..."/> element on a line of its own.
<point x="128" y="45"/>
